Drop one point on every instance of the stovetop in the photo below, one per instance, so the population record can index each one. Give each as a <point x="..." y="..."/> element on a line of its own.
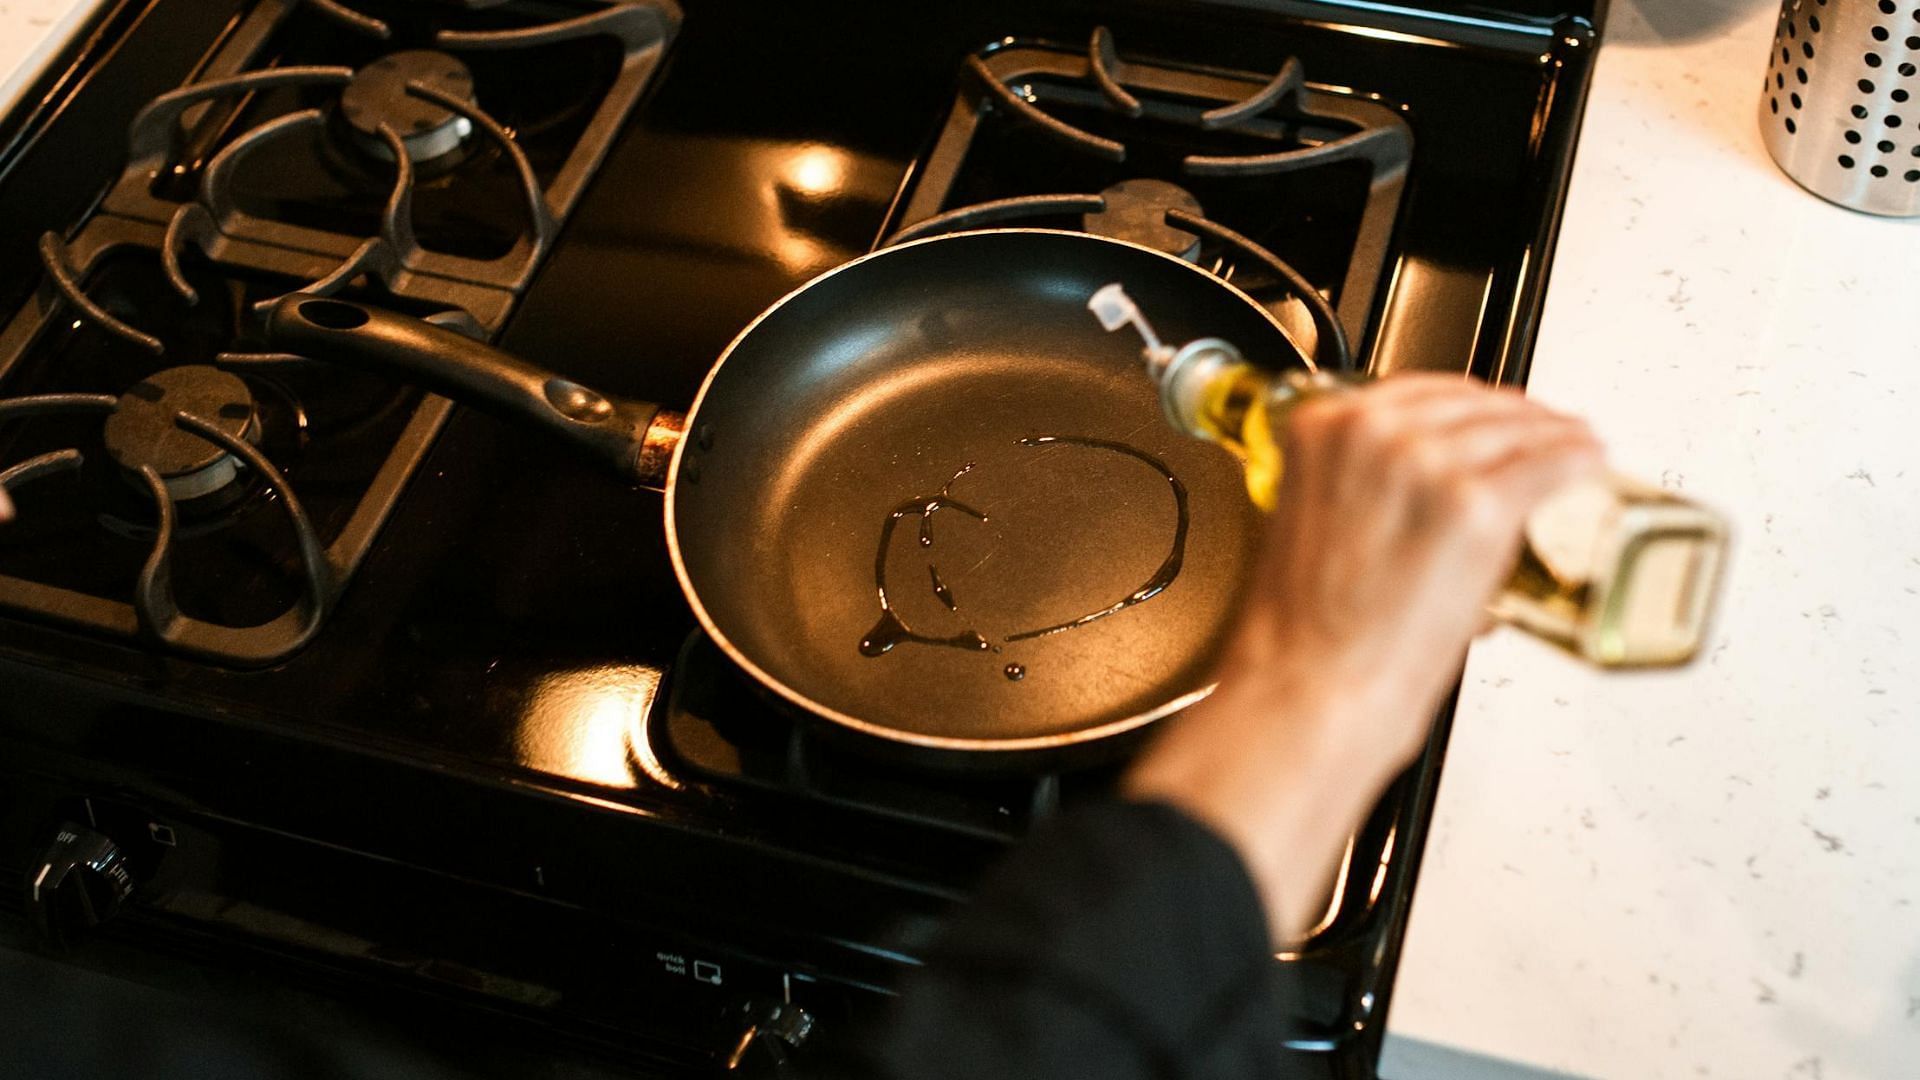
<point x="481" y="635"/>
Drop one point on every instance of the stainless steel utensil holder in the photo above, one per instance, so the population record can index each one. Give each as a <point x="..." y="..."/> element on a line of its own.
<point x="1841" y="108"/>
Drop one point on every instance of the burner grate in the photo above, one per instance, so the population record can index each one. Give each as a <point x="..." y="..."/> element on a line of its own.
<point x="166" y="284"/>
<point x="1328" y="345"/>
<point x="718" y="730"/>
<point x="393" y="257"/>
<point x="1269" y="161"/>
<point x="261" y="164"/>
<point x="233" y="564"/>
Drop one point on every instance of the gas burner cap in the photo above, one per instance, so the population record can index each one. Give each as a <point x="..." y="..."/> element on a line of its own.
<point x="141" y="430"/>
<point x="1137" y="212"/>
<point x="378" y="94"/>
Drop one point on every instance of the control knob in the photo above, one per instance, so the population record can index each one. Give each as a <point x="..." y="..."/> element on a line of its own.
<point x="79" y="884"/>
<point x="771" y="1031"/>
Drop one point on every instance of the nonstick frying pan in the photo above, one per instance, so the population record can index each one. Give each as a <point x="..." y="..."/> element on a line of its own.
<point x="1060" y="566"/>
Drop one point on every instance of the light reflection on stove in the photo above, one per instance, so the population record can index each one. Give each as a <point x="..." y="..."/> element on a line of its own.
<point x="1335" y="898"/>
<point x="807" y="180"/>
<point x="816" y="171"/>
<point x="588" y="725"/>
<point x="1414" y="323"/>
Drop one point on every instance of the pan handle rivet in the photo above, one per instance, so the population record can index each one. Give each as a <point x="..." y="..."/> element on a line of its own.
<point x="703" y="436"/>
<point x="690" y="471"/>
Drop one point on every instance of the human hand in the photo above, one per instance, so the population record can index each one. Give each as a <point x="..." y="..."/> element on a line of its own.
<point x="6" y="505"/>
<point x="1399" y="516"/>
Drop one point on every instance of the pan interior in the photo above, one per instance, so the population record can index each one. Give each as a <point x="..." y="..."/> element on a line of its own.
<point x="871" y="393"/>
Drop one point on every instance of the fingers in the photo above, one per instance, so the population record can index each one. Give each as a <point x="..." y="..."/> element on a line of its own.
<point x="1532" y="474"/>
<point x="1483" y="481"/>
<point x="6" y="506"/>
<point x="1415" y="385"/>
<point x="1441" y="460"/>
<point x="1407" y="395"/>
<point x="1400" y="413"/>
<point x="1489" y="442"/>
<point x="1433" y="434"/>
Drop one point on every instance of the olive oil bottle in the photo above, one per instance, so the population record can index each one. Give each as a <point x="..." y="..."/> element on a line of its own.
<point x="1619" y="573"/>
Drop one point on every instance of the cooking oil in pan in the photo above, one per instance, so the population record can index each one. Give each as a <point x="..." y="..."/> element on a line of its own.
<point x="1617" y="572"/>
<point x="890" y="630"/>
<point x="1169" y="567"/>
<point x="940" y="590"/>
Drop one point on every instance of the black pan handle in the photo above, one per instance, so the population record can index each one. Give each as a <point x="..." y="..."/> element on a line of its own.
<point x="636" y="438"/>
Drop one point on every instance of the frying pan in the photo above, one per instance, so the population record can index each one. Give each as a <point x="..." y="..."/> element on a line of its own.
<point x="1060" y="565"/>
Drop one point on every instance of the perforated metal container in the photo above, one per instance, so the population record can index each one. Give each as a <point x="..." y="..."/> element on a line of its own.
<point x="1841" y="108"/>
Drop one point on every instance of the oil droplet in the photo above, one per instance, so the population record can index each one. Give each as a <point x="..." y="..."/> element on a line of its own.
<point x="940" y="588"/>
<point x="1014" y="672"/>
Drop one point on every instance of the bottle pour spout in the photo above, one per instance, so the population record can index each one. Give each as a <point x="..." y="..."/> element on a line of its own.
<point x="1115" y="309"/>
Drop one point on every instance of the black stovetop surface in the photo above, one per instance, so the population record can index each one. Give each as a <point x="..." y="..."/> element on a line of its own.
<point x="510" y="564"/>
<point x="516" y="591"/>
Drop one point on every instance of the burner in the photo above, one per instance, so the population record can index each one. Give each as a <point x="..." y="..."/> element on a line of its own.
<point x="237" y="165"/>
<point x="378" y="95"/>
<point x="1130" y="148"/>
<point x="716" y="727"/>
<point x="142" y="430"/>
<point x="1136" y="211"/>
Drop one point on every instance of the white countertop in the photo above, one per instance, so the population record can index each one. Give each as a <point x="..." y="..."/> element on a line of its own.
<point x="1712" y="873"/>
<point x="31" y="31"/>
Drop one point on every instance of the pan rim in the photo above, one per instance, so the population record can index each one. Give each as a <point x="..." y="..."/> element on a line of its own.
<point x="1004" y="747"/>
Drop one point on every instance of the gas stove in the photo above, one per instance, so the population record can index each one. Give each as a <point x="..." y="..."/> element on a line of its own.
<point x="279" y="638"/>
<point x="271" y="172"/>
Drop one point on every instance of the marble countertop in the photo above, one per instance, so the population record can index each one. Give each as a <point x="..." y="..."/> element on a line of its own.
<point x="1715" y="872"/>
<point x="31" y="31"/>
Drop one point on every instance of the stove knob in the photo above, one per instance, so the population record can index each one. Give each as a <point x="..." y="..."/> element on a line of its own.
<point x="771" y="1032"/>
<point x="78" y="885"/>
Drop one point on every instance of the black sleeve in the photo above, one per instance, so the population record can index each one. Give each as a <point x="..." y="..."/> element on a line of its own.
<point x="1124" y="940"/>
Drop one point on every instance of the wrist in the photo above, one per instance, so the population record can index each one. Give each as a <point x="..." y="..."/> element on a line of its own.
<point x="1281" y="771"/>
